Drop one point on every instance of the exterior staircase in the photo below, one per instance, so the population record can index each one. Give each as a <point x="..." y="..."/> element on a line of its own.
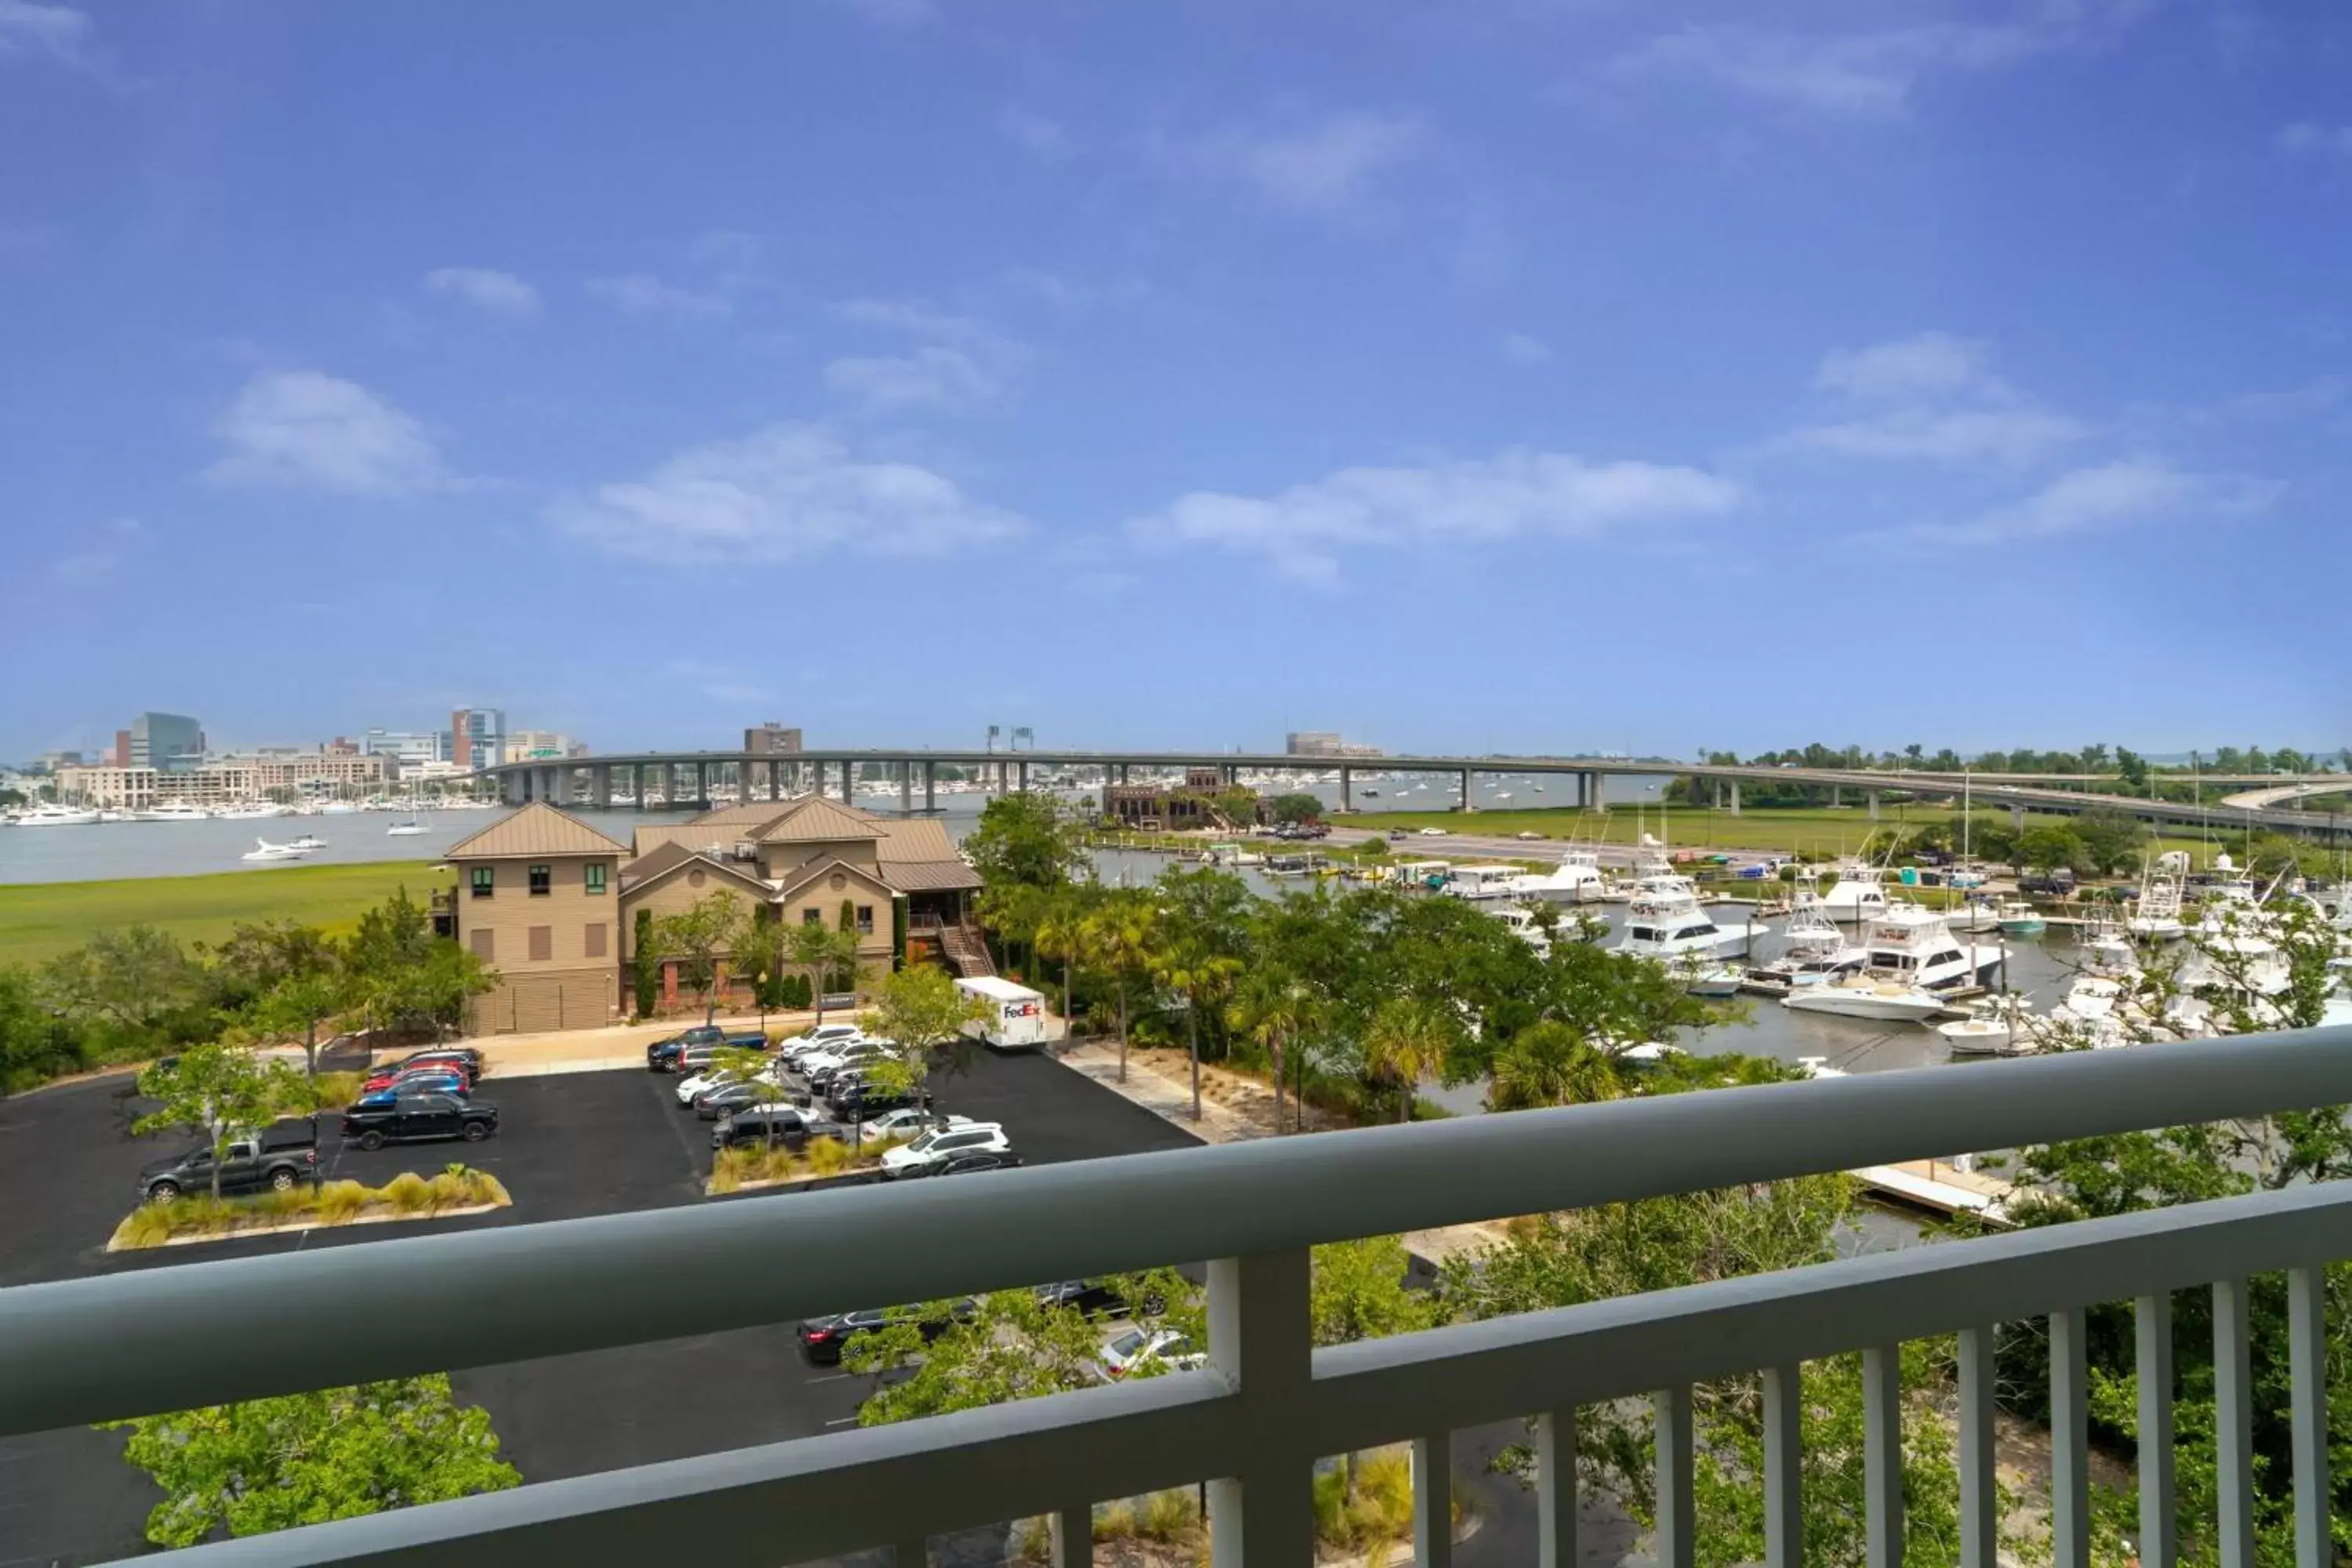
<point x="964" y="950"/>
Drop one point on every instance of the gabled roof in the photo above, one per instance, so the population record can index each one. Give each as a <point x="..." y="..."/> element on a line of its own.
<point x="666" y="862"/>
<point x="822" y="866"/>
<point x="743" y="814"/>
<point x="816" y="820"/>
<point x="930" y="876"/>
<point x="537" y="829"/>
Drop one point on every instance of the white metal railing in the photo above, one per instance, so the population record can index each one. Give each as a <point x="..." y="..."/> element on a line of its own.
<point x="1253" y="1422"/>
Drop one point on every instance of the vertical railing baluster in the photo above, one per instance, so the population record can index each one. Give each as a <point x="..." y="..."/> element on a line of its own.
<point x="2234" y="1424"/>
<point x="1433" y="1500"/>
<point x="1074" y="1535"/>
<point x="1677" y="1511"/>
<point x="1784" y="1466"/>
<point x="1882" y="1444"/>
<point x="1556" y="1488"/>
<point x="1979" y="1488"/>
<point x="2160" y="1523"/>
<point x="2306" y="1340"/>
<point x="2070" y="1442"/>
<point x="1263" y="1513"/>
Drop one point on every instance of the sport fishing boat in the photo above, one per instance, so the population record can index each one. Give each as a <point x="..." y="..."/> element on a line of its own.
<point x="1814" y="952"/>
<point x="1858" y="894"/>
<point x="1666" y="921"/>
<point x="1525" y="927"/>
<point x="2017" y="918"/>
<point x="2157" y="914"/>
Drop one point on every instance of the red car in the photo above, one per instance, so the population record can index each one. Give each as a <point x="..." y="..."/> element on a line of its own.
<point x="391" y="1078"/>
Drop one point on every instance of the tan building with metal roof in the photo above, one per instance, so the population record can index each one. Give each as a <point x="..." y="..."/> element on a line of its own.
<point x="541" y="894"/>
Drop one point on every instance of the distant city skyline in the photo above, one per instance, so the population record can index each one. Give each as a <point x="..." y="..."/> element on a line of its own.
<point x="1454" y="378"/>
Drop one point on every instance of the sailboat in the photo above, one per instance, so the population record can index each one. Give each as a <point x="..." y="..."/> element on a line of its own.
<point x="409" y="828"/>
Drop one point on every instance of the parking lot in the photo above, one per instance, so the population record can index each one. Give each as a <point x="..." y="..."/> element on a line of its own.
<point x="568" y="1146"/>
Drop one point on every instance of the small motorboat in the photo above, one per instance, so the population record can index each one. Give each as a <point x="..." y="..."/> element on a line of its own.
<point x="1863" y="998"/>
<point x="2019" y="918"/>
<point x="264" y="851"/>
<point x="1976" y="915"/>
<point x="308" y="842"/>
<point x="1715" y="981"/>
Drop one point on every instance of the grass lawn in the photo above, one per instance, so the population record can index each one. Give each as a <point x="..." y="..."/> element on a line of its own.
<point x="1814" y="831"/>
<point x="39" y="920"/>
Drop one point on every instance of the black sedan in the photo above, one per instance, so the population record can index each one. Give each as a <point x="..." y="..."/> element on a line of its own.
<point x="822" y="1338"/>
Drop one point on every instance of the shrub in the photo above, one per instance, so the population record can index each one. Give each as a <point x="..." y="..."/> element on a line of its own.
<point x="340" y="1202"/>
<point x="829" y="1156"/>
<point x="1115" y="1522"/>
<point x="408" y="1194"/>
<point x="1168" y="1516"/>
<point x="334" y="1090"/>
<point x="448" y="1191"/>
<point x="1381" y="1507"/>
<point x="149" y="1224"/>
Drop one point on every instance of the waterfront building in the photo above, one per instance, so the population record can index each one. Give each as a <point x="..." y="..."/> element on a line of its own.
<point x="773" y="739"/>
<point x="530" y="745"/>
<point x="476" y="737"/>
<point x="408" y="750"/>
<point x="554" y="905"/>
<point x="1199" y="802"/>
<point x="220" y="781"/>
<point x="1323" y="743"/>
<point x="171" y="743"/>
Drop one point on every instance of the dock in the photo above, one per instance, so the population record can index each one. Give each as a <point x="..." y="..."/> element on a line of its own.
<point x="1942" y="1187"/>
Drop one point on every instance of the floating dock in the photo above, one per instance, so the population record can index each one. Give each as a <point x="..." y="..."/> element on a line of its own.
<point x="1942" y="1187"/>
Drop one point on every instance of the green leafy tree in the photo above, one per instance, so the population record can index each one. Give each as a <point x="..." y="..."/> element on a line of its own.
<point x="2111" y="840"/>
<point x="1275" y="1009"/>
<point x="1409" y="1040"/>
<point x="222" y="1091"/>
<point x="1296" y="809"/>
<point x="1062" y="932"/>
<point x="820" y="951"/>
<point x="298" y="1005"/>
<point x="697" y="937"/>
<point x="763" y="948"/>
<point x="273" y="1464"/>
<point x="37" y="1041"/>
<point x="257" y="956"/>
<point x="646" y="962"/>
<point x="1547" y="1064"/>
<point x="1120" y="937"/>
<point x="745" y="1064"/>
<point x="127" y="983"/>
<point x="2049" y="847"/>
<point x="1202" y="934"/>
<point x="921" y="1010"/>
<point x="1028" y="837"/>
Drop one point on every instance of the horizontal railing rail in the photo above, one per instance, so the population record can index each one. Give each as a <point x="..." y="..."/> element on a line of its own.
<point x="80" y="1351"/>
<point x="1251" y="1423"/>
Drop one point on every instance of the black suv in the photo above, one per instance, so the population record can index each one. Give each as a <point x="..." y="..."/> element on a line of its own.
<point x="416" y="1118"/>
<point x="794" y="1128"/>
<point x="977" y="1160"/>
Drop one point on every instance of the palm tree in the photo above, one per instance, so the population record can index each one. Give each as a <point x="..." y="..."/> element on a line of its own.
<point x="1119" y="935"/>
<point x="1190" y="965"/>
<point x="1549" y="1064"/>
<point x="1407" y="1041"/>
<point x="1274" y="1008"/>
<point x="1060" y="935"/>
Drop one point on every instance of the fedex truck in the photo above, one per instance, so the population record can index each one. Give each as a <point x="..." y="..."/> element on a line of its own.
<point x="1015" y="1016"/>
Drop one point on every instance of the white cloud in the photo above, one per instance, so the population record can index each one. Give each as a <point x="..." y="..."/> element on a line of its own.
<point x="100" y="557"/>
<point x="2309" y="136"/>
<point x="58" y="31"/>
<point x="642" y="294"/>
<point x="1322" y="168"/>
<point x="1302" y="529"/>
<point x="306" y="429"/>
<point x="787" y="493"/>
<point x="2104" y="497"/>
<point x="1927" y="364"/>
<point x="1521" y="349"/>
<point x="931" y="376"/>
<point x="493" y="293"/>
<point x="2011" y="437"/>
<point x="1041" y="136"/>
<point x="1873" y="71"/>
<point x="962" y="364"/>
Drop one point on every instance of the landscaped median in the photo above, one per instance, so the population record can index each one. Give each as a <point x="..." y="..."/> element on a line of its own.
<point x="457" y="1190"/>
<point x="749" y="1168"/>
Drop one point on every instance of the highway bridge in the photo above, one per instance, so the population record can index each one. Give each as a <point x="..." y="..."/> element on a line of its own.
<point x="688" y="776"/>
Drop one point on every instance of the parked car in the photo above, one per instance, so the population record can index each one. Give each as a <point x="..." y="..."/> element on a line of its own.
<point x="932" y="1149"/>
<point x="855" y="1101"/>
<point x="818" y="1067"/>
<point x="418" y="1118"/>
<point x="1433" y="833"/>
<point x="822" y="1338"/>
<point x="904" y="1122"/>
<point x="694" y="1084"/>
<point x="822" y="1037"/>
<point x="693" y="1049"/>
<point x="1140" y="1348"/>
<point x="976" y="1161"/>
<point x="464" y="1059"/>
<point x="793" y="1127"/>
<point x="279" y="1159"/>
<point x="439" y="1078"/>
<point x="720" y="1098"/>
<point x="2056" y="884"/>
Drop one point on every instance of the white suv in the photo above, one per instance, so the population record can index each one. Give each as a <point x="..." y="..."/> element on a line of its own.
<point x="823" y="1037"/>
<point x="931" y="1150"/>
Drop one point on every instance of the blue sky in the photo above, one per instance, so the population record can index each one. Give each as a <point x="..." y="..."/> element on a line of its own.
<point x="1511" y="375"/>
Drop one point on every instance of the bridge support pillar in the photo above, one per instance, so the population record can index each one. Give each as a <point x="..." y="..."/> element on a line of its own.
<point x="2017" y="818"/>
<point x="1834" y="801"/>
<point x="511" y="788"/>
<point x="905" y="789"/>
<point x="1592" y="789"/>
<point x="1025" y="777"/>
<point x="1122" y="772"/>
<point x="1874" y="806"/>
<point x="603" y="788"/>
<point x="1735" y="797"/>
<point x="930" y="786"/>
<point x="1346" y="789"/>
<point x="702" y="786"/>
<point x="1465" y="790"/>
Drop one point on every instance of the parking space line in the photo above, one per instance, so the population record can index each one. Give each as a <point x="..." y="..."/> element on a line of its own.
<point x="837" y="1377"/>
<point x="844" y="1421"/>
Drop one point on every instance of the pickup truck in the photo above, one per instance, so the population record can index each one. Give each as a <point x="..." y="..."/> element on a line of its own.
<point x="695" y="1046"/>
<point x="414" y="1118"/>
<point x="279" y="1159"/>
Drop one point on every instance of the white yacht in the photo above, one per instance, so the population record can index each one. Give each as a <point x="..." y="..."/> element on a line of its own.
<point x="264" y="850"/>
<point x="175" y="811"/>
<point x="1667" y="922"/>
<point x="2000" y="1031"/>
<point x="1576" y="880"/>
<point x="1814" y="951"/>
<point x="1486" y="884"/>
<point x="250" y="811"/>
<point x="1859" y="894"/>
<point x="2157" y="914"/>
<point x="308" y="842"/>
<point x="1525" y="928"/>
<point x="1861" y="996"/>
<point x="1914" y="946"/>
<point x="1976" y="915"/>
<point x="50" y="815"/>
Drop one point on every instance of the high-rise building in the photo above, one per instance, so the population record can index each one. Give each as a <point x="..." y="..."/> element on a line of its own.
<point x="409" y="749"/>
<point x="532" y="746"/>
<point x="123" y="748"/>
<point x="771" y="739"/>
<point x="478" y="737"/>
<point x="168" y="743"/>
<point x="1324" y="743"/>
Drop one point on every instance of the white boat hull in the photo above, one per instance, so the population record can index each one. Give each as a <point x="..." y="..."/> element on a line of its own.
<point x="1892" y="1002"/>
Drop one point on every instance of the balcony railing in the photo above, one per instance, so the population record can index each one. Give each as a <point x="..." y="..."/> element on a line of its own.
<point x="1254" y="1420"/>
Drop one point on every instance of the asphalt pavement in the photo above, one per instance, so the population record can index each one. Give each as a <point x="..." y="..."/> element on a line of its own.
<point x="568" y="1145"/>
